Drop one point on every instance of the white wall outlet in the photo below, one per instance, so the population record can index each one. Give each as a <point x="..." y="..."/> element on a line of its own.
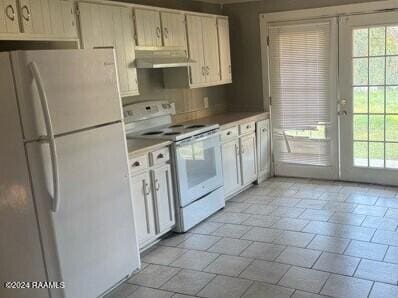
<point x="206" y="102"/>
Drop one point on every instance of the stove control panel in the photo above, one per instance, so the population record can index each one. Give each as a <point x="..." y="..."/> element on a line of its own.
<point x="147" y="110"/>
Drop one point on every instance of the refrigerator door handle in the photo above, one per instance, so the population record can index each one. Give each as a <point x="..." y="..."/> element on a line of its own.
<point x="50" y="134"/>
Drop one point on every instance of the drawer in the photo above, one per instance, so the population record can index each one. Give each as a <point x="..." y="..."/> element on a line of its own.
<point x="230" y="133"/>
<point x="247" y="127"/>
<point x="139" y="163"/>
<point x="160" y="156"/>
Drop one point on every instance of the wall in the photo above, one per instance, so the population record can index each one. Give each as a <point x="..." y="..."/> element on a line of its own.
<point x="246" y="91"/>
<point x="189" y="102"/>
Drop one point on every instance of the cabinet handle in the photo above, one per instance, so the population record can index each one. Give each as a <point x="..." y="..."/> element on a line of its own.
<point x="11" y="15"/>
<point x="166" y="32"/>
<point x="136" y="164"/>
<point x="203" y="71"/>
<point x="160" y="155"/>
<point x="248" y="126"/>
<point x="263" y="130"/>
<point x="169" y="195"/>
<point x="157" y="185"/>
<point x="25" y="9"/>
<point x="207" y="70"/>
<point x="229" y="133"/>
<point x="158" y="32"/>
<point x="146" y="194"/>
<point x="147" y="189"/>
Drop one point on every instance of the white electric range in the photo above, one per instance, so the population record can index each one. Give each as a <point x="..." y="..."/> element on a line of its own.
<point x="196" y="158"/>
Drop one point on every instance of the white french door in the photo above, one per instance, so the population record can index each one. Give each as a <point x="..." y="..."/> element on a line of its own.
<point x="302" y="69"/>
<point x="368" y="76"/>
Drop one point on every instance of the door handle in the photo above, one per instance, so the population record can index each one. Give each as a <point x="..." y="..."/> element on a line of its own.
<point x="342" y="113"/>
<point x="50" y="134"/>
<point x="343" y="101"/>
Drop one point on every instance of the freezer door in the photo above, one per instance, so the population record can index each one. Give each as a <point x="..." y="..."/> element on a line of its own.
<point x="93" y="230"/>
<point x="80" y="88"/>
<point x="21" y="256"/>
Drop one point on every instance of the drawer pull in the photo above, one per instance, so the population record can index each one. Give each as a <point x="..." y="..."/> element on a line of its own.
<point x="160" y="155"/>
<point x="248" y="126"/>
<point x="136" y="164"/>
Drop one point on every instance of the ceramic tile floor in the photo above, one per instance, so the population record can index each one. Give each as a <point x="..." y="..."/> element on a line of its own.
<point x="283" y="238"/>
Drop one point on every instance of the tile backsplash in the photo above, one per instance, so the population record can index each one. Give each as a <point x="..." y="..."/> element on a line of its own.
<point x="189" y="102"/>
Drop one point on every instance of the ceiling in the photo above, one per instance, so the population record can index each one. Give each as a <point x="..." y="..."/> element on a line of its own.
<point x="226" y="1"/>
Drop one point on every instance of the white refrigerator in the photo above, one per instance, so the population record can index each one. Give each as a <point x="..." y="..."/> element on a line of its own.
<point x="66" y="212"/>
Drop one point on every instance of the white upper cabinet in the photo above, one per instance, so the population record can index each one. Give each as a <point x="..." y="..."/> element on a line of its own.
<point x="9" y="16"/>
<point x="211" y="52"/>
<point x="111" y="26"/>
<point x="37" y="19"/>
<point x="148" y="28"/>
<point x="225" y="50"/>
<point x="35" y="16"/>
<point x="173" y="29"/>
<point x="196" y="49"/>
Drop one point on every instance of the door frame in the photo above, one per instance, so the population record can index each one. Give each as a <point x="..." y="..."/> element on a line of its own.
<point x="265" y="19"/>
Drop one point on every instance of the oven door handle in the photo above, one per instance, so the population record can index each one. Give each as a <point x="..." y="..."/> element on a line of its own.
<point x="197" y="139"/>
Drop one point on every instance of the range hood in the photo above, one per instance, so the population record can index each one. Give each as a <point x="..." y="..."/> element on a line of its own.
<point x="162" y="59"/>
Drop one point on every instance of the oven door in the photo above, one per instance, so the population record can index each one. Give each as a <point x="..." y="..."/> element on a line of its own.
<point x="199" y="167"/>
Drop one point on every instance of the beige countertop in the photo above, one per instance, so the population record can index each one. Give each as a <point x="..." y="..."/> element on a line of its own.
<point x="229" y="119"/>
<point x="139" y="146"/>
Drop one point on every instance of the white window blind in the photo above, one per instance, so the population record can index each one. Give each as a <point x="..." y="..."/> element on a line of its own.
<point x="300" y="77"/>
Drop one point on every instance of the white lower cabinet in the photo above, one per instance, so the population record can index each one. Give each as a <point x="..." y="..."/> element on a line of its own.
<point x="263" y="150"/>
<point x="248" y="158"/>
<point x="163" y="198"/>
<point x="153" y="196"/>
<point x="143" y="207"/>
<point x="231" y="166"/>
<point x="242" y="148"/>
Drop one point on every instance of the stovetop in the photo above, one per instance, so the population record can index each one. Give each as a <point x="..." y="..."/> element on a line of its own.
<point x="173" y="132"/>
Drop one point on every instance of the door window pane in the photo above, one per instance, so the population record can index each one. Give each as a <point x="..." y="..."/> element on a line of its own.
<point x="377" y="41"/>
<point x="360" y="37"/>
<point x="392" y="155"/>
<point x="376" y="71"/>
<point x="360" y="99"/>
<point x="360" y="127"/>
<point x="360" y="68"/>
<point x="376" y="100"/>
<point x="392" y="99"/>
<point x="376" y="155"/>
<point x="361" y="154"/>
<point x="376" y="127"/>
<point x="392" y="70"/>
<point x="392" y="128"/>
<point x="392" y="40"/>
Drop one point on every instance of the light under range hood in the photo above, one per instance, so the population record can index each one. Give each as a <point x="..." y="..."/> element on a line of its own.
<point x="162" y="59"/>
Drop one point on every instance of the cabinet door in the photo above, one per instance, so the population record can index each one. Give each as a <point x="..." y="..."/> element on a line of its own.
<point x="224" y="49"/>
<point x="9" y="18"/>
<point x="248" y="158"/>
<point x="35" y="16"/>
<point x="195" y="48"/>
<point x="57" y="26"/>
<point x="174" y="30"/>
<point x="124" y="48"/>
<point x="147" y="26"/>
<point x="263" y="148"/>
<point x="68" y="19"/>
<point x="163" y="198"/>
<point x="231" y="167"/>
<point x="211" y="54"/>
<point x="90" y="25"/>
<point x="143" y="208"/>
